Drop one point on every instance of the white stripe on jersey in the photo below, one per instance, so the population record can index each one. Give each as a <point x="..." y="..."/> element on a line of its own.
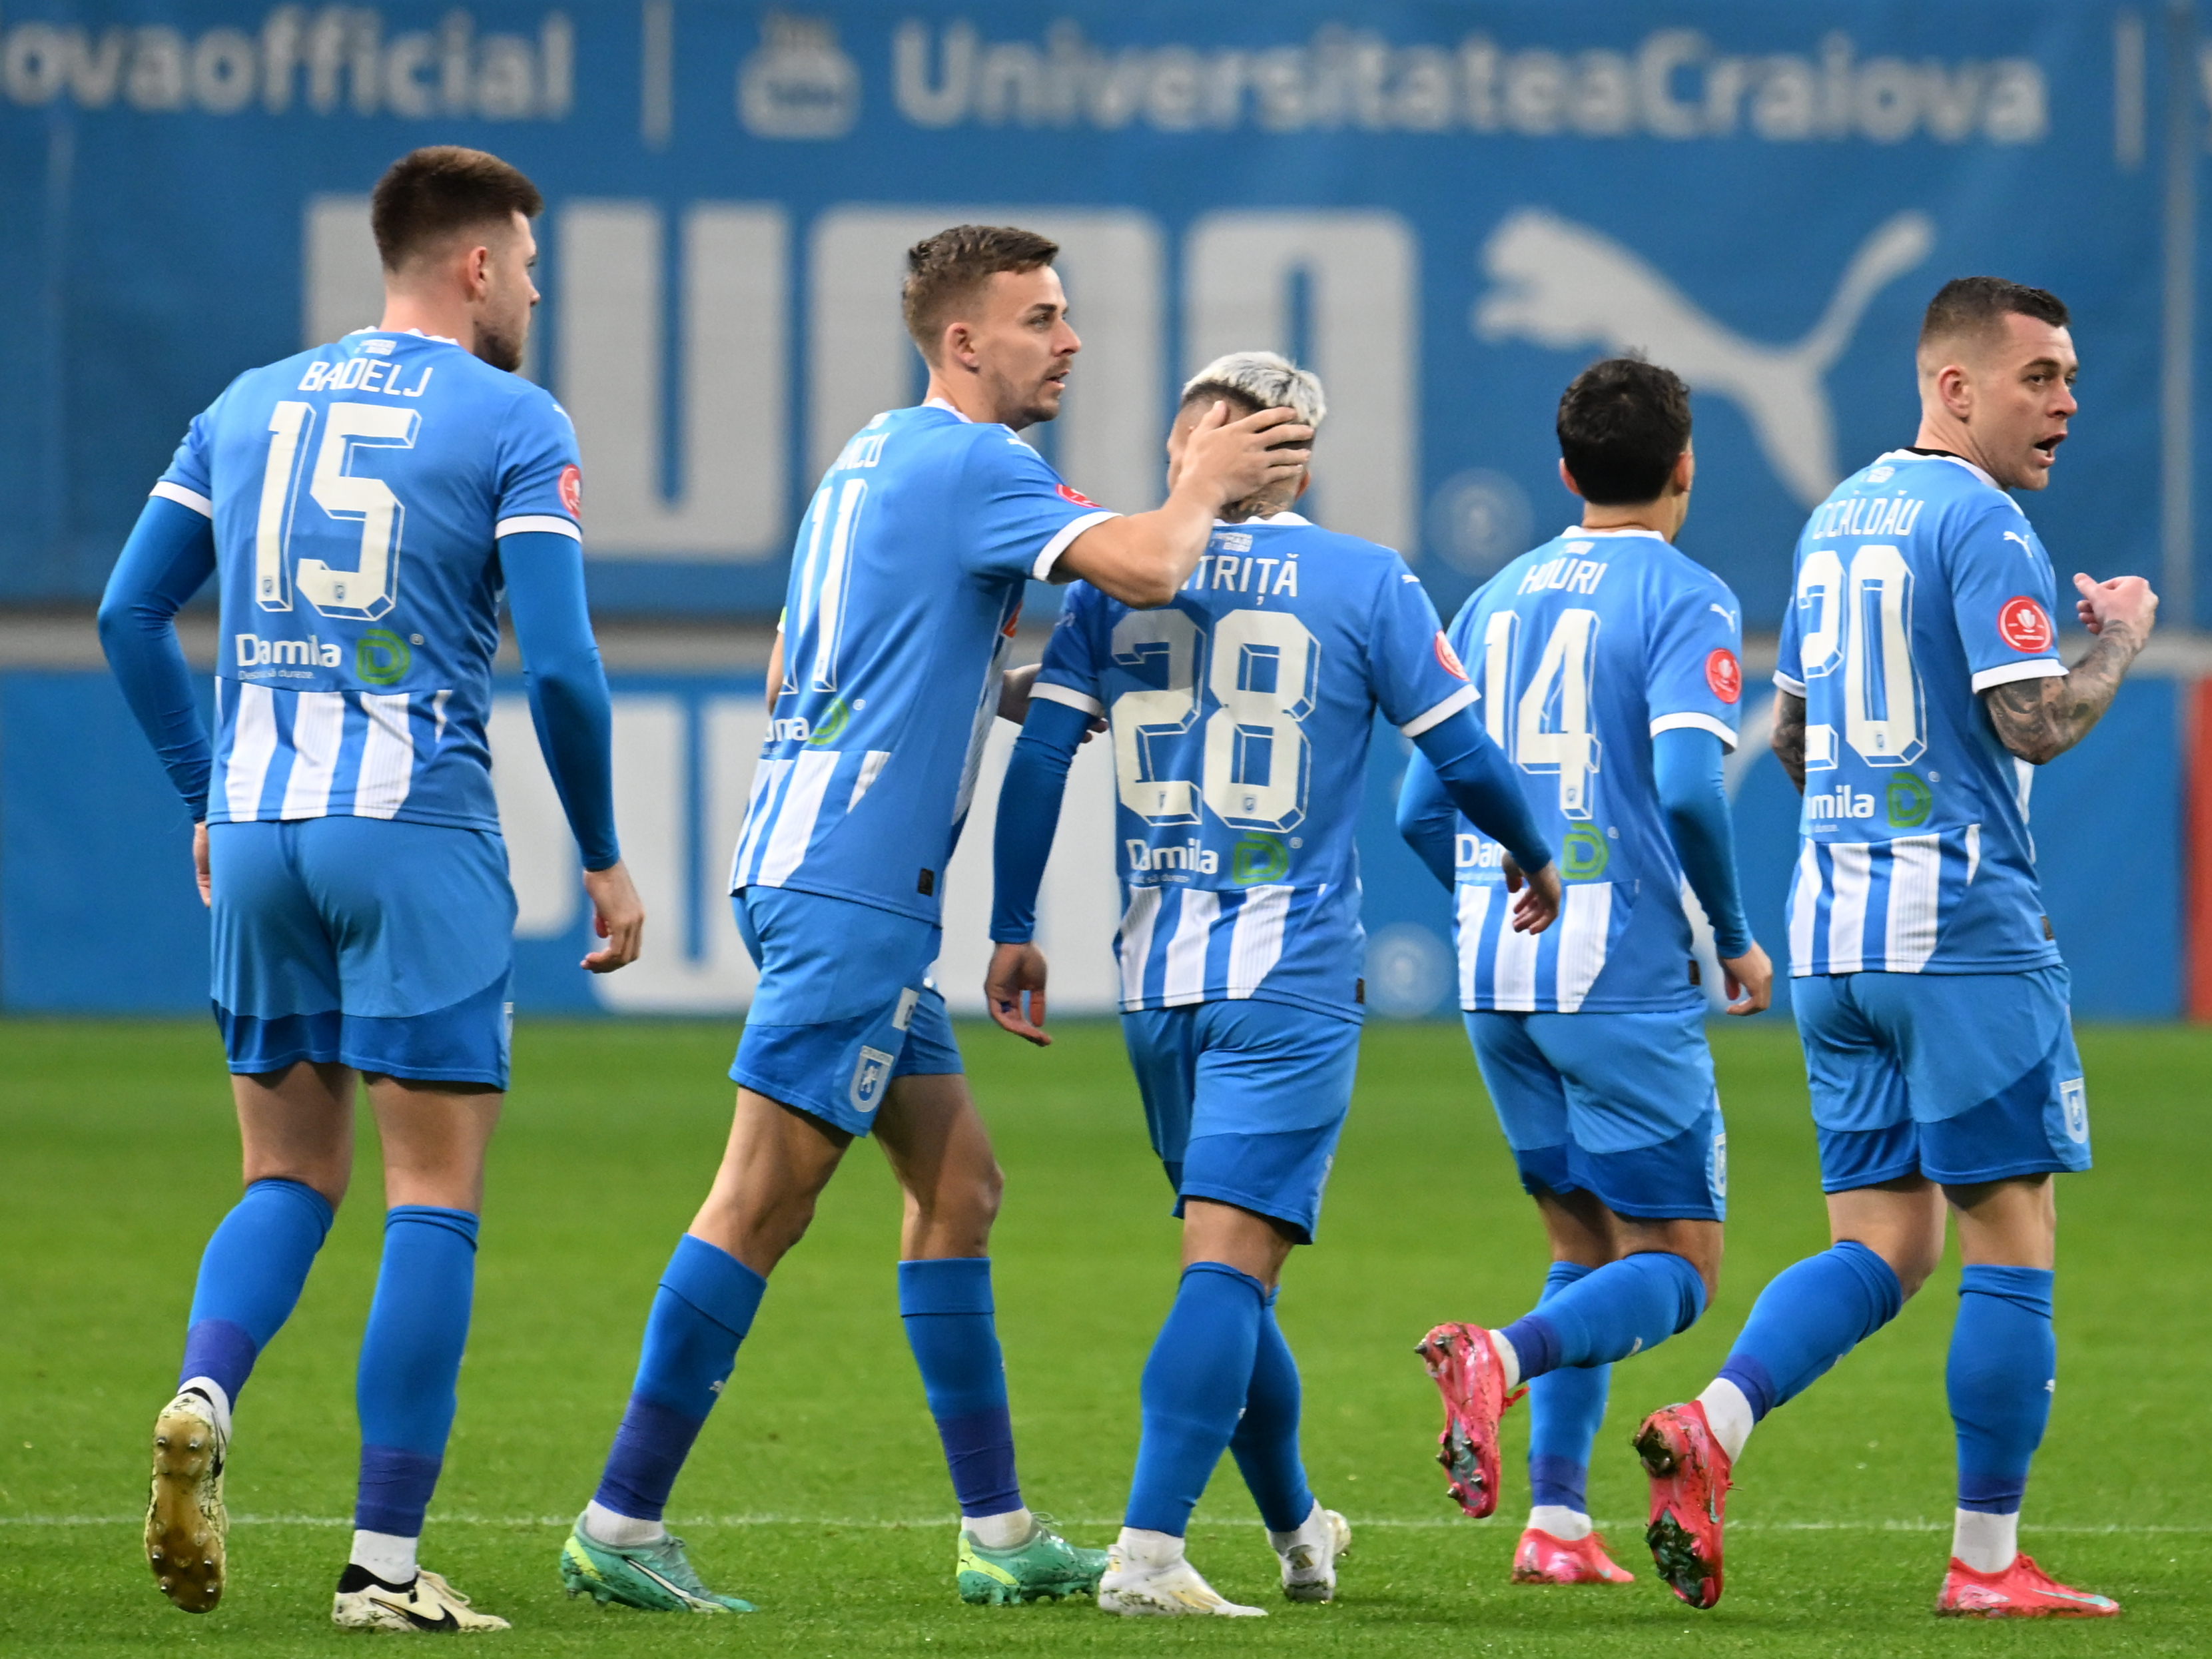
<point x="1134" y="942"/>
<point x="1916" y="881"/>
<point x="1851" y="866"/>
<point x="1973" y="851"/>
<point x="765" y="779"/>
<point x="870" y="763"/>
<point x="184" y="497"/>
<point x="387" y="757"/>
<point x="318" y="732"/>
<point x="1442" y="712"/>
<point x="253" y="746"/>
<point x="1513" y="969"/>
<point x="794" y="818"/>
<point x="1584" y="923"/>
<point x="1185" y="977"/>
<point x="1062" y="694"/>
<point x="1256" y="944"/>
<point x="1474" y="911"/>
<point x="1804" y="909"/>
<point x="1693" y="721"/>
<point x="525" y="524"/>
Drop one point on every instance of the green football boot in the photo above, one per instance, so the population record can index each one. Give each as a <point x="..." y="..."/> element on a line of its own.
<point x="1044" y="1565"/>
<point x="656" y="1577"/>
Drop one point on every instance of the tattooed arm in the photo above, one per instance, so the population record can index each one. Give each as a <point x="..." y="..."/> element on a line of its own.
<point x="1790" y="736"/>
<point x="2040" y="719"/>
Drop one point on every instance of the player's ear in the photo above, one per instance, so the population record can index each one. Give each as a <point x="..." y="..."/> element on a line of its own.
<point x="1686" y="470"/>
<point x="1306" y="479"/>
<point x="1568" y="478"/>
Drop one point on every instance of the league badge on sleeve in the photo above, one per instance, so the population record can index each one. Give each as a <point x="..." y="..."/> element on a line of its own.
<point x="572" y="489"/>
<point x="2024" y="624"/>
<point x="1725" y="674"/>
<point x="1075" y="496"/>
<point x="1450" y="659"/>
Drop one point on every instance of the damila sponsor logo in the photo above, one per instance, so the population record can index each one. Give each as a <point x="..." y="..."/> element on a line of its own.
<point x="1156" y="860"/>
<point x="254" y="651"/>
<point x="1841" y="802"/>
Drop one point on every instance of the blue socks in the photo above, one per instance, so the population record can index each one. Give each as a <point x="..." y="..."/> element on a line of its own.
<point x="1811" y="1315"/>
<point x="1621" y="1309"/>
<point x="1194" y="1385"/>
<point x="1565" y="1407"/>
<point x="251" y="1276"/>
<point x="704" y="1307"/>
<point x="411" y="1359"/>
<point x="1266" y="1443"/>
<point x="2003" y="1361"/>
<point x="947" y="1305"/>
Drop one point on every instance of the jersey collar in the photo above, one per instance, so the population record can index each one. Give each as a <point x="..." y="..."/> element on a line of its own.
<point x="441" y="339"/>
<point x="1285" y="517"/>
<point x="1577" y="533"/>
<point x="939" y="402"/>
<point x="1894" y="456"/>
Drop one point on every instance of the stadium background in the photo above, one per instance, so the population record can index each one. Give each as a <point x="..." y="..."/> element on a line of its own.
<point x="1446" y="208"/>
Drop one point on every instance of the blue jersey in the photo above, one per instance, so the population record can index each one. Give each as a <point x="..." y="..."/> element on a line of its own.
<point x="905" y="585"/>
<point x="1242" y="714"/>
<point x="358" y="492"/>
<point x="1585" y="649"/>
<point x="1919" y="584"/>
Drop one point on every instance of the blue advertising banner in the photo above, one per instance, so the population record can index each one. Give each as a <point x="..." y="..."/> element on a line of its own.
<point x="1445" y="208"/>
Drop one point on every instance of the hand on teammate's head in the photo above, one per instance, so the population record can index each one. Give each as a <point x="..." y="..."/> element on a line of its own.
<point x="1227" y="460"/>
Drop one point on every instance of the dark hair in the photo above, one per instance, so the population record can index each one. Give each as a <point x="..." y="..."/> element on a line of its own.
<point x="947" y="268"/>
<point x="430" y="194"/>
<point x="1967" y="305"/>
<point x="1623" y="424"/>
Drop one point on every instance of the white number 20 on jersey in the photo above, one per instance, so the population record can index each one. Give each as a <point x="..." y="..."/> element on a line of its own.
<point x="1860" y="623"/>
<point x="1256" y="768"/>
<point x="372" y="587"/>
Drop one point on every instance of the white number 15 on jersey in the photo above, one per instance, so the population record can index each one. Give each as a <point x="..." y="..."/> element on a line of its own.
<point x="372" y="588"/>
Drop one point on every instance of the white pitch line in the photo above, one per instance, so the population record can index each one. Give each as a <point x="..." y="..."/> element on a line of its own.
<point x="925" y="1523"/>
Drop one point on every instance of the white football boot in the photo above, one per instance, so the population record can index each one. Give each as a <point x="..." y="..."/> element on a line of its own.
<point x="1309" y="1554"/>
<point x="185" y="1522"/>
<point x="365" y="1602"/>
<point x="1147" y="1576"/>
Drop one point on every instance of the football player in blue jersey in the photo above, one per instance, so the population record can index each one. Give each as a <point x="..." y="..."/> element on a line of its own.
<point x="360" y="507"/>
<point x="1918" y="685"/>
<point x="1241" y="717"/>
<point x="905" y="582"/>
<point x="1609" y="669"/>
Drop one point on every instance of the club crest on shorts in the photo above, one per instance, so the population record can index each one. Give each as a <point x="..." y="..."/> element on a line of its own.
<point x="2073" y="1100"/>
<point x="870" y="1073"/>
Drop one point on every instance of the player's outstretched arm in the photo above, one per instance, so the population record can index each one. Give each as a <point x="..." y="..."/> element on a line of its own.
<point x="1428" y="821"/>
<point x="1143" y="558"/>
<point x="2040" y="719"/>
<point x="1686" y="766"/>
<point x="1479" y="781"/>
<point x="1028" y="816"/>
<point x="169" y="555"/>
<point x="574" y="718"/>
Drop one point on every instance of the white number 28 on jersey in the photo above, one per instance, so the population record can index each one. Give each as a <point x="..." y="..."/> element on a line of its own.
<point x="1256" y="767"/>
<point x="1860" y="623"/>
<point x="372" y="587"/>
<point x="1548" y="730"/>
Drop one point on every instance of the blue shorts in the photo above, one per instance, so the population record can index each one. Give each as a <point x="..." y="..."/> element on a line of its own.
<point x="372" y="943"/>
<point x="845" y="1004"/>
<point x="1245" y="1101"/>
<point x="1619" y="1106"/>
<point x="1962" y="1077"/>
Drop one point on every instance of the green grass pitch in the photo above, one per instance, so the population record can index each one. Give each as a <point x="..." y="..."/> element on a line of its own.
<point x="816" y="1488"/>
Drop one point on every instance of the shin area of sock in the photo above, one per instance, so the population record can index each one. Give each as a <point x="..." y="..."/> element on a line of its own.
<point x="1194" y="1387"/>
<point x="2002" y="1368"/>
<point x="1266" y="1443"/>
<point x="1565" y="1410"/>
<point x="1810" y="1315"/>
<point x="951" y="1326"/>
<point x="251" y="1275"/>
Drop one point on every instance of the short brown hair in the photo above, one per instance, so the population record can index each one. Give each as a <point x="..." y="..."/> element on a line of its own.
<point x="1623" y="424"/>
<point x="944" y="269"/>
<point x="430" y="194"/>
<point x="1969" y="306"/>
